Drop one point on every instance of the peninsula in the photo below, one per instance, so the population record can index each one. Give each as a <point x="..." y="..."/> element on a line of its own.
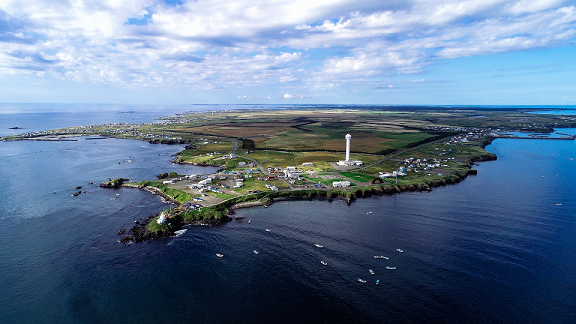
<point x="333" y="152"/>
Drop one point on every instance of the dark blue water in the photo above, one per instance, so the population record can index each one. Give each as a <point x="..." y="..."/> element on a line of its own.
<point x="494" y="248"/>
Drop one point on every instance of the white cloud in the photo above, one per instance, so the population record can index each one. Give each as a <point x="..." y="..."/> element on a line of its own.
<point x="254" y="44"/>
<point x="289" y="96"/>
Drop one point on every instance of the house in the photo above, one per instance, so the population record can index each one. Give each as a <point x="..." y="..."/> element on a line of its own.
<point x="204" y="182"/>
<point x="292" y="173"/>
<point x="239" y="183"/>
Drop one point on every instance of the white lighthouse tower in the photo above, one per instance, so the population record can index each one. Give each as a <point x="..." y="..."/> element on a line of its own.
<point x="348" y="137"/>
<point x="347" y="162"/>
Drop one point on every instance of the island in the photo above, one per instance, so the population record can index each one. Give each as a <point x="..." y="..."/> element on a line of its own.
<point x="327" y="152"/>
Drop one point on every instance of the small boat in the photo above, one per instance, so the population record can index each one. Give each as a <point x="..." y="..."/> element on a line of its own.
<point x="361" y="280"/>
<point x="368" y="213"/>
<point x="118" y="195"/>
<point x="219" y="255"/>
<point x="255" y="252"/>
<point x="324" y="263"/>
<point x="319" y="246"/>
<point x="248" y="221"/>
<point x="371" y="271"/>
<point x="391" y="268"/>
<point x="380" y="257"/>
<point x="378" y="282"/>
<point x="399" y="250"/>
<point x="180" y="232"/>
<point x="267" y="230"/>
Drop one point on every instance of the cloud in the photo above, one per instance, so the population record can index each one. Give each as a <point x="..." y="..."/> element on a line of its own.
<point x="289" y="96"/>
<point x="248" y="45"/>
<point x="258" y="98"/>
<point x="186" y="57"/>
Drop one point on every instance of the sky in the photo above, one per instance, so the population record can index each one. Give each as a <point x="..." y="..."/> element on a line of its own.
<point x="397" y="52"/>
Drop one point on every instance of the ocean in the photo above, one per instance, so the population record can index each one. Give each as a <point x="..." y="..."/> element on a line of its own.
<point x="498" y="247"/>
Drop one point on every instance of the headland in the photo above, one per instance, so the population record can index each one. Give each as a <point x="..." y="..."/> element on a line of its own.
<point x="305" y="153"/>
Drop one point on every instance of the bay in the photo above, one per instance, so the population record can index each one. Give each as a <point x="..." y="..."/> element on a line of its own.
<point x="497" y="247"/>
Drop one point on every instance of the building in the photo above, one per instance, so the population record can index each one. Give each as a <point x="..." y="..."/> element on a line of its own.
<point x="341" y="184"/>
<point x="347" y="162"/>
<point x="161" y="219"/>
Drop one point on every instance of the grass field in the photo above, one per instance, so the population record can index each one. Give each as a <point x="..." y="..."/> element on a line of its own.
<point x="320" y="159"/>
<point x="357" y="176"/>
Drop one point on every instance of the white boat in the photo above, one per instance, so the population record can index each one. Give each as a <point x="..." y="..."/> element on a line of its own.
<point x="324" y="263"/>
<point x="248" y="221"/>
<point x="371" y="271"/>
<point x="180" y="232"/>
<point x="378" y="282"/>
<point x="319" y="246"/>
<point x="255" y="252"/>
<point x="219" y="255"/>
<point x="399" y="250"/>
<point x="267" y="230"/>
<point x="368" y="213"/>
<point x="391" y="268"/>
<point x="380" y="257"/>
<point x="118" y="195"/>
<point x="361" y="280"/>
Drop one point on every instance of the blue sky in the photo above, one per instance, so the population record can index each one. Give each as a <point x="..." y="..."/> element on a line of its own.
<point x="442" y="52"/>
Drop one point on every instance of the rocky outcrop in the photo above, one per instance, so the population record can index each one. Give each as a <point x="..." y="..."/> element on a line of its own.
<point x="484" y="157"/>
<point x="140" y="232"/>
<point x="114" y="183"/>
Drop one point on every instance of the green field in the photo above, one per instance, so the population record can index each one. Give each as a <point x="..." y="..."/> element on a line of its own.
<point x="357" y="176"/>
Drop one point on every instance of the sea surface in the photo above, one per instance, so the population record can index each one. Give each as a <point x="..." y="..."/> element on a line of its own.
<point x="499" y="247"/>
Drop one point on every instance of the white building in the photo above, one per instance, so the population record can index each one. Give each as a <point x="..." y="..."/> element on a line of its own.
<point x="341" y="184"/>
<point x="161" y="219"/>
<point x="347" y="162"/>
<point x="292" y="173"/>
<point x="204" y="182"/>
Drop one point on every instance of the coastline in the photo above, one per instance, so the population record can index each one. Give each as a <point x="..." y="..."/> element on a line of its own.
<point x="141" y="230"/>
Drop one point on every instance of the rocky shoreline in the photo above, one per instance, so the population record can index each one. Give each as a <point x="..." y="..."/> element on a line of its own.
<point x="221" y="167"/>
<point x="140" y="231"/>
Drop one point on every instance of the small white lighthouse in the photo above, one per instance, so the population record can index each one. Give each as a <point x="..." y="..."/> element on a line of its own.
<point x="348" y="137"/>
